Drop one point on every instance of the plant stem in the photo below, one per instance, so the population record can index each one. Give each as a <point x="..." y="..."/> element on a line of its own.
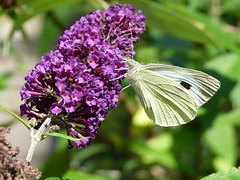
<point x="37" y="137"/>
<point x="56" y="21"/>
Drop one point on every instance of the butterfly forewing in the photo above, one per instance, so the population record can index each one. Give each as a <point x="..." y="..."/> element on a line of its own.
<point x="165" y="101"/>
<point x="199" y="85"/>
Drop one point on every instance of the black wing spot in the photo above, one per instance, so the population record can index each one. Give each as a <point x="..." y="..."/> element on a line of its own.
<point x="185" y="85"/>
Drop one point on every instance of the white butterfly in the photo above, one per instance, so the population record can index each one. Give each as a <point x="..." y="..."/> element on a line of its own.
<point x="170" y="95"/>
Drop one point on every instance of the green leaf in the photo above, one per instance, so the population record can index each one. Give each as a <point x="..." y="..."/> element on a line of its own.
<point x="56" y="178"/>
<point x="232" y="174"/>
<point x="230" y="118"/>
<point x="221" y="164"/>
<point x="3" y="80"/>
<point x="227" y="65"/>
<point x="234" y="95"/>
<point x="183" y="23"/>
<point x="147" y="51"/>
<point x="222" y="141"/>
<point x="15" y="115"/>
<point x="231" y="7"/>
<point x="156" y="150"/>
<point x="74" y="174"/>
<point x="1" y="10"/>
<point x="140" y="118"/>
<point x="198" y="4"/>
<point x="57" y="164"/>
<point x="63" y="136"/>
<point x="91" y="151"/>
<point x="33" y="8"/>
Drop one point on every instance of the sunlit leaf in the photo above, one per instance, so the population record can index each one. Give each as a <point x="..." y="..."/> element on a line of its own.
<point x="141" y="119"/>
<point x="3" y="79"/>
<point x="232" y="174"/>
<point x="227" y="65"/>
<point x="231" y="6"/>
<point x="221" y="164"/>
<point x="229" y="118"/>
<point x="56" y="178"/>
<point x="235" y="96"/>
<point x="74" y="174"/>
<point x="157" y="150"/>
<point x="183" y="23"/>
<point x="222" y="141"/>
<point x="33" y="8"/>
<point x="151" y="52"/>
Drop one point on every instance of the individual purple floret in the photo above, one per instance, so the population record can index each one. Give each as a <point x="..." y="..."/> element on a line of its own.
<point x="80" y="81"/>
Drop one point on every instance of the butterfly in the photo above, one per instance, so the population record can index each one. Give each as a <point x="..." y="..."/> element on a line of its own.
<point x="170" y="95"/>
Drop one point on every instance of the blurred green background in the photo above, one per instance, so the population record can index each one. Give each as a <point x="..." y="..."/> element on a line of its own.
<point x="199" y="34"/>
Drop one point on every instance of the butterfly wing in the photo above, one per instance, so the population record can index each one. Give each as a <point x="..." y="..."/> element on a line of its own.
<point x="165" y="101"/>
<point x="199" y="85"/>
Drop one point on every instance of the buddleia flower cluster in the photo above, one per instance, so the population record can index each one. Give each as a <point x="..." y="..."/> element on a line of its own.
<point x="79" y="82"/>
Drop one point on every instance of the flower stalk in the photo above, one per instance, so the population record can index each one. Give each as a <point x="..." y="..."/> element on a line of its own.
<point x="37" y="137"/>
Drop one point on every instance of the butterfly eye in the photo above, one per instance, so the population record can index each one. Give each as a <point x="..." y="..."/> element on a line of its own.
<point x="185" y="85"/>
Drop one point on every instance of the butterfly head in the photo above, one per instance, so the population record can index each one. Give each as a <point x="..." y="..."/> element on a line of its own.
<point x="132" y="64"/>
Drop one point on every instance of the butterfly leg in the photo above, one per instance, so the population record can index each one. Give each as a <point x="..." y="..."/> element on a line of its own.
<point x="125" y="87"/>
<point x="121" y="69"/>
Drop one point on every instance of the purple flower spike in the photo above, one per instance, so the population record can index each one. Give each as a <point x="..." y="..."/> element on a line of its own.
<point x="56" y="108"/>
<point x="80" y="81"/>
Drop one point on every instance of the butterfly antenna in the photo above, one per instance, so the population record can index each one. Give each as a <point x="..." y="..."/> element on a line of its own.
<point x="117" y="77"/>
<point x="123" y="59"/>
<point x="130" y="55"/>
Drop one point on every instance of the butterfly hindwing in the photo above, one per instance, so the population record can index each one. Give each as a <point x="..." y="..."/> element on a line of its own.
<point x="165" y="101"/>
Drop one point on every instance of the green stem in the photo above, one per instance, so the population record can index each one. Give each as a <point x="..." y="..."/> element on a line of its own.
<point x="15" y="115"/>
